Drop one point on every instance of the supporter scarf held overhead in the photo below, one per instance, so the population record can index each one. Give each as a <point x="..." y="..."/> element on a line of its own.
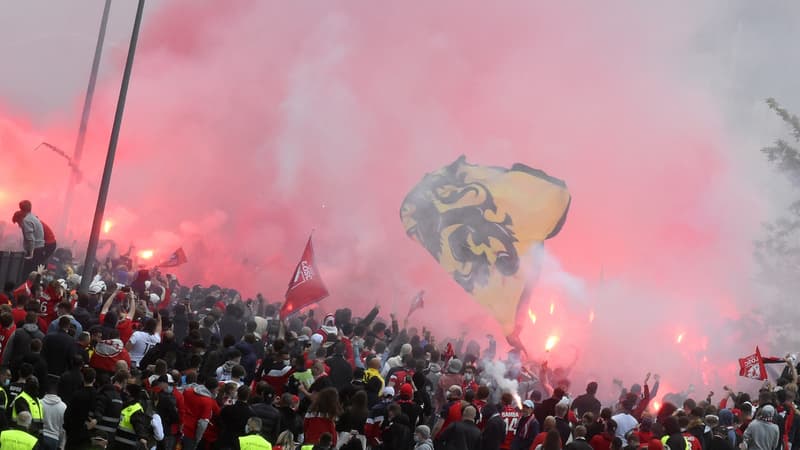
<point x="482" y="223"/>
<point x="306" y="286"/>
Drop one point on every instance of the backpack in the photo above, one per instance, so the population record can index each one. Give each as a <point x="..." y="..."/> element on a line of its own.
<point x="167" y="409"/>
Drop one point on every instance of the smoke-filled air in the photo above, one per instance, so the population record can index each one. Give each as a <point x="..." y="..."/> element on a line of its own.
<point x="251" y="125"/>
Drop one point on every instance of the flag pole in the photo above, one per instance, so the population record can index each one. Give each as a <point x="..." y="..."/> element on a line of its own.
<point x="77" y="153"/>
<point x="94" y="238"/>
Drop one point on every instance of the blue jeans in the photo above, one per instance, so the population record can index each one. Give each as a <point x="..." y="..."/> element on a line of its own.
<point x="47" y="443"/>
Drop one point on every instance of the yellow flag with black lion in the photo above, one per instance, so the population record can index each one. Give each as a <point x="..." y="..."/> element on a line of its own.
<point x="482" y="224"/>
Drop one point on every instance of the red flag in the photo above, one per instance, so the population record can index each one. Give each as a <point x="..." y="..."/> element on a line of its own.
<point x="177" y="258"/>
<point x="306" y="286"/>
<point x="753" y="366"/>
<point x="417" y="303"/>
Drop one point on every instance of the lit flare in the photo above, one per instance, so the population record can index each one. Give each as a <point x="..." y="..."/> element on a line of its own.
<point x="551" y="342"/>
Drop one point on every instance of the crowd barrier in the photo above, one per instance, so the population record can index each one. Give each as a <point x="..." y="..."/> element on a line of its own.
<point x="11" y="264"/>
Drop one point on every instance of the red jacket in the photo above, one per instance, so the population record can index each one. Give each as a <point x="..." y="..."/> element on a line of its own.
<point x="314" y="425"/>
<point x="199" y="405"/>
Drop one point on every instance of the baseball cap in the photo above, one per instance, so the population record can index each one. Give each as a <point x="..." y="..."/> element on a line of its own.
<point x="388" y="391"/>
<point x="528" y="403"/>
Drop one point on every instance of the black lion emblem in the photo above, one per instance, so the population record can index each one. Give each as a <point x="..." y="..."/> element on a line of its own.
<point x="457" y="221"/>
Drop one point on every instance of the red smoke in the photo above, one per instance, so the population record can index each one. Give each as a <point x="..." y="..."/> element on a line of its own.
<point x="250" y="124"/>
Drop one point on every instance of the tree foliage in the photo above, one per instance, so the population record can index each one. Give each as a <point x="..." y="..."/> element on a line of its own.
<point x="778" y="252"/>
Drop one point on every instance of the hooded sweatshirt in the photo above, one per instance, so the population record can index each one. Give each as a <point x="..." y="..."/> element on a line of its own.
<point x="52" y="416"/>
<point x="427" y="444"/>
<point x="107" y="353"/>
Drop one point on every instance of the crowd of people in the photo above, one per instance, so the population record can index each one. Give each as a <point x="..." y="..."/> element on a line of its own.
<point x="142" y="362"/>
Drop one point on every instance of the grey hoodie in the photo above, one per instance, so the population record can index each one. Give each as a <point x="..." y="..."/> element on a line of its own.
<point x="53" y="416"/>
<point x="427" y="444"/>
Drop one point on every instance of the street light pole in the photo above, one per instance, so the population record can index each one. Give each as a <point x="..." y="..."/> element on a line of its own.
<point x="94" y="238"/>
<point x="75" y="174"/>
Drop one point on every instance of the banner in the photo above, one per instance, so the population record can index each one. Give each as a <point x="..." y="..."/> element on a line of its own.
<point x="752" y="366"/>
<point x="306" y="286"/>
<point x="482" y="223"/>
<point x="177" y="258"/>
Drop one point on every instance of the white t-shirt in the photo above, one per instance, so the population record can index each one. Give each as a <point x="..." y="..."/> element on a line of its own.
<point x="141" y="342"/>
<point x="625" y="423"/>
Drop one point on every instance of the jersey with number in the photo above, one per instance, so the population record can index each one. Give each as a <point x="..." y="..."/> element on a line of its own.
<point x="47" y="305"/>
<point x="510" y="416"/>
<point x="141" y="343"/>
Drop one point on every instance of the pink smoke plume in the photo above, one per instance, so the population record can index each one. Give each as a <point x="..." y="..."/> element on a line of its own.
<point x="251" y="123"/>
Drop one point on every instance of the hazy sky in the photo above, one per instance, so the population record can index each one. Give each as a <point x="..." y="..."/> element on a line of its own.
<point x="47" y="49"/>
<point x="249" y="123"/>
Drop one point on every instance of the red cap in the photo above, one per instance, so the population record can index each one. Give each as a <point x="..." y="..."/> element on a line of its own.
<point x="406" y="391"/>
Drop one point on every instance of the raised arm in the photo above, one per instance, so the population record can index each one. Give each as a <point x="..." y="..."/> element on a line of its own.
<point x="109" y="301"/>
<point x="159" y="324"/>
<point x="131" y="306"/>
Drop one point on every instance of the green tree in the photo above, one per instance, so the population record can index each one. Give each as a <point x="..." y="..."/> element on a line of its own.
<point x="778" y="252"/>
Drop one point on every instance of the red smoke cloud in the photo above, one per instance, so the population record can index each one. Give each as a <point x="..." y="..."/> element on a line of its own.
<point x="250" y="124"/>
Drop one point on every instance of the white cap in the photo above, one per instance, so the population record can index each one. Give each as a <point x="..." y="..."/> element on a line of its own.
<point x="97" y="287"/>
<point x="388" y="391"/>
<point x="154" y="298"/>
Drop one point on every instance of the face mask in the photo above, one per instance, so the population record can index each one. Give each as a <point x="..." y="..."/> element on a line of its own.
<point x="286" y="362"/>
<point x="168" y="389"/>
<point x="247" y="429"/>
<point x="468" y="376"/>
<point x="418" y="438"/>
<point x="7" y="383"/>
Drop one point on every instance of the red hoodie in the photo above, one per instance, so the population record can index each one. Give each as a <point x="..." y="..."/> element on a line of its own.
<point x="107" y="353"/>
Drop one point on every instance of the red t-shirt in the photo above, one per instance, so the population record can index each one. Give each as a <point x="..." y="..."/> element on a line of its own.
<point x="47" y="305"/>
<point x="510" y="416"/>
<point x="124" y="326"/>
<point x="49" y="236"/>
<point x="197" y="407"/>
